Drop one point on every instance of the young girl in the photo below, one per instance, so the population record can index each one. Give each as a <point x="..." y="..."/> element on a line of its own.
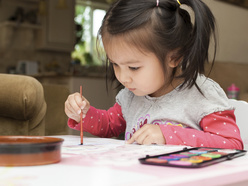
<point x="158" y="55"/>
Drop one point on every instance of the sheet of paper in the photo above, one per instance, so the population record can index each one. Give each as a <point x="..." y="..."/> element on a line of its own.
<point x="112" y="151"/>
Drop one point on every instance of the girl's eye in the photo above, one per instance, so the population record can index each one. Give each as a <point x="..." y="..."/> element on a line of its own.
<point x="134" y="68"/>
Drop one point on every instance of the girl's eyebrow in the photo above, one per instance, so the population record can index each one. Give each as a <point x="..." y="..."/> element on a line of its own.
<point x="124" y="63"/>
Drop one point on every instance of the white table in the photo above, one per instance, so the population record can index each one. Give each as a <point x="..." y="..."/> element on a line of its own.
<point x="102" y="161"/>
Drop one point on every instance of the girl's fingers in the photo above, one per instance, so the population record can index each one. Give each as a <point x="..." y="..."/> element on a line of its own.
<point x="147" y="141"/>
<point x="138" y="136"/>
<point x="70" y="112"/>
<point x="73" y="102"/>
<point x="130" y="141"/>
<point x="148" y="134"/>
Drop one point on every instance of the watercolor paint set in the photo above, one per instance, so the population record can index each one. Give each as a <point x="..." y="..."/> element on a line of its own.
<point x="193" y="157"/>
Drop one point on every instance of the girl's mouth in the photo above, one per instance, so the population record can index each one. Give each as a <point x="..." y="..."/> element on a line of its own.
<point x="132" y="89"/>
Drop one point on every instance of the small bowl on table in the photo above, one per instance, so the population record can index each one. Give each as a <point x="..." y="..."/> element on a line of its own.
<point x="29" y="150"/>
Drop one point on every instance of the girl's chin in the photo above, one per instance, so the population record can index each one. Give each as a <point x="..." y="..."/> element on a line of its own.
<point x="136" y="93"/>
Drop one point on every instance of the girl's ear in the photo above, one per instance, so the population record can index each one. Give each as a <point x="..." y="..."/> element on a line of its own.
<point x="173" y="61"/>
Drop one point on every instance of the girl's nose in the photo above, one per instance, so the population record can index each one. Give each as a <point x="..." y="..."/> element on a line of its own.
<point x="124" y="78"/>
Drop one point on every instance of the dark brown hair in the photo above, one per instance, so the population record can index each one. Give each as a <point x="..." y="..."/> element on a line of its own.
<point x="164" y="28"/>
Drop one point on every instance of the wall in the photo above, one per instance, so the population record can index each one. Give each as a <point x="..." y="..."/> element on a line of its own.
<point x="232" y="31"/>
<point x="18" y="42"/>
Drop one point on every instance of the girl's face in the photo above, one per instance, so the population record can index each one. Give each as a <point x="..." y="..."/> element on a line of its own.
<point x="140" y="72"/>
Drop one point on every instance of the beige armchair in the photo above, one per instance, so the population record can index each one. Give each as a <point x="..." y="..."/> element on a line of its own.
<point x="22" y="106"/>
<point x="28" y="107"/>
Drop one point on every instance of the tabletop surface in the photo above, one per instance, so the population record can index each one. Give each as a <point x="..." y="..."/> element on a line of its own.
<point x="102" y="161"/>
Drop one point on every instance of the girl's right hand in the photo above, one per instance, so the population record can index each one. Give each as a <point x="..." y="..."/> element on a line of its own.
<point x="74" y="105"/>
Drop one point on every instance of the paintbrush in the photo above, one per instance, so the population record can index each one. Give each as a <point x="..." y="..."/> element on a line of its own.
<point x="81" y="120"/>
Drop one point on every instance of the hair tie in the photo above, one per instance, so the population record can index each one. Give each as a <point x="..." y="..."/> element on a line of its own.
<point x="157" y="3"/>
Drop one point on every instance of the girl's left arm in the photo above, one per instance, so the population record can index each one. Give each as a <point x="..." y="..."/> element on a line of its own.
<point x="219" y="130"/>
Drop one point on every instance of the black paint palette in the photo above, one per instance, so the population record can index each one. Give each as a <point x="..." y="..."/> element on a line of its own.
<point x="193" y="157"/>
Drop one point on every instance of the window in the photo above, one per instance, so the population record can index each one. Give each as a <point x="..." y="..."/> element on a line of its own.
<point x="88" y="20"/>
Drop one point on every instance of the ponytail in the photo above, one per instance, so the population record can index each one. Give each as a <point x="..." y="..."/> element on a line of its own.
<point x="197" y="55"/>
